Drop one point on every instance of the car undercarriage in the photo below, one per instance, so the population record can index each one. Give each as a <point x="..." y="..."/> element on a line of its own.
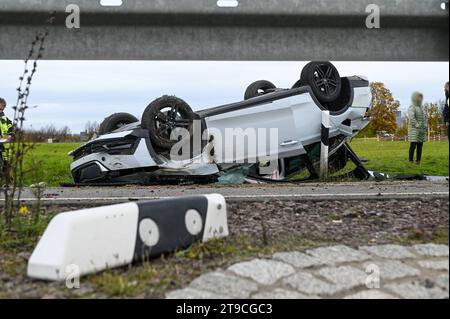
<point x="274" y="133"/>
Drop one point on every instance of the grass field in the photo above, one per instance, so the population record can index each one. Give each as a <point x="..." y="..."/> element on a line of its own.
<point x="392" y="157"/>
<point x="50" y="163"/>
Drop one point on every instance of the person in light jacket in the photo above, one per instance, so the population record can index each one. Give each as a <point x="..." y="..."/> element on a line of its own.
<point x="417" y="127"/>
<point x="446" y="112"/>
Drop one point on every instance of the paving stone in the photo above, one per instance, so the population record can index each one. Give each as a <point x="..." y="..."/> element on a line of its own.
<point x="338" y="254"/>
<point x="370" y="294"/>
<point x="279" y="293"/>
<point x="345" y="277"/>
<point x="432" y="250"/>
<point x="442" y="281"/>
<point x="189" y="293"/>
<point x="277" y="278"/>
<point x="309" y="284"/>
<point x="389" y="251"/>
<point x="297" y="259"/>
<point x="416" y="290"/>
<point x="220" y="283"/>
<point x="434" y="264"/>
<point x="392" y="269"/>
<point x="263" y="271"/>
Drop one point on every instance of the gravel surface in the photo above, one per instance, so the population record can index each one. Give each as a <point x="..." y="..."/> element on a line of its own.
<point x="269" y="226"/>
<point x="350" y="222"/>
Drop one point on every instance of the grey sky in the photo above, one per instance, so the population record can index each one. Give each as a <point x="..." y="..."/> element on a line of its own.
<point x="74" y="92"/>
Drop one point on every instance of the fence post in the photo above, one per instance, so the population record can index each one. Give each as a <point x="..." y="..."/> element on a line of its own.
<point x="325" y="137"/>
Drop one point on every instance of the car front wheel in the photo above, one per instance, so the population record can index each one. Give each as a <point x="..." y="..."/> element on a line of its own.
<point x="163" y="117"/>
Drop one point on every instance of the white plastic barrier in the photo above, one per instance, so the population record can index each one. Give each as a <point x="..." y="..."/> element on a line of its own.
<point x="324" y="145"/>
<point x="110" y="236"/>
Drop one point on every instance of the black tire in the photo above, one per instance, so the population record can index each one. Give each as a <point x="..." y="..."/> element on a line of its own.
<point x="259" y="88"/>
<point x="162" y="116"/>
<point x="115" y="121"/>
<point x="324" y="80"/>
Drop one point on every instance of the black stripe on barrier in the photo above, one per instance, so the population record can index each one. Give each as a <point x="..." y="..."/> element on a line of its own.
<point x="325" y="135"/>
<point x="169" y="219"/>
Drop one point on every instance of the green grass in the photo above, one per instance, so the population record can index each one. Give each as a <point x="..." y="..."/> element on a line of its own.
<point x="49" y="163"/>
<point x="25" y="232"/>
<point x="392" y="157"/>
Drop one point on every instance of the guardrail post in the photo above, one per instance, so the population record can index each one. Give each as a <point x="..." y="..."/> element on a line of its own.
<point x="324" y="141"/>
<point x="94" y="239"/>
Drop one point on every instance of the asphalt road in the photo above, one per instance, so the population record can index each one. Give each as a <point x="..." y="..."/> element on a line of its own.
<point x="310" y="191"/>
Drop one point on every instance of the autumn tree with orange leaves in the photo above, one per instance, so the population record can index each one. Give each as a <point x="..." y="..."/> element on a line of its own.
<point x="383" y="112"/>
<point x="434" y="118"/>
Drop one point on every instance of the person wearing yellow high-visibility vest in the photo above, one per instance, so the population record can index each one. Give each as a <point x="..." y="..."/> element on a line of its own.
<point x="446" y="114"/>
<point x="5" y="129"/>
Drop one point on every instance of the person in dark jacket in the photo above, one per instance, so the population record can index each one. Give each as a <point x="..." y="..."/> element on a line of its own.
<point x="446" y="112"/>
<point x="417" y="127"/>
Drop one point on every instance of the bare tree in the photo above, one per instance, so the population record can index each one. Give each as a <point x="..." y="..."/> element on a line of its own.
<point x="12" y="165"/>
<point x="91" y="128"/>
<point x="43" y="134"/>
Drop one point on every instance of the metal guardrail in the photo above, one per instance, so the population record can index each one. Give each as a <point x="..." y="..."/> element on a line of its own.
<point x="255" y="30"/>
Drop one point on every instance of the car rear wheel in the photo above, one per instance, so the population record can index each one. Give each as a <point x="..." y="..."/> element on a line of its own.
<point x="163" y="116"/>
<point x="259" y="88"/>
<point x="115" y="121"/>
<point x="324" y="80"/>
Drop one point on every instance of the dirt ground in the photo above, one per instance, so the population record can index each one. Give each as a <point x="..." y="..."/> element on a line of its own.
<point x="256" y="229"/>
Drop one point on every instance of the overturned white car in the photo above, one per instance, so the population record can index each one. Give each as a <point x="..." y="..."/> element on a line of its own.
<point x="274" y="133"/>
